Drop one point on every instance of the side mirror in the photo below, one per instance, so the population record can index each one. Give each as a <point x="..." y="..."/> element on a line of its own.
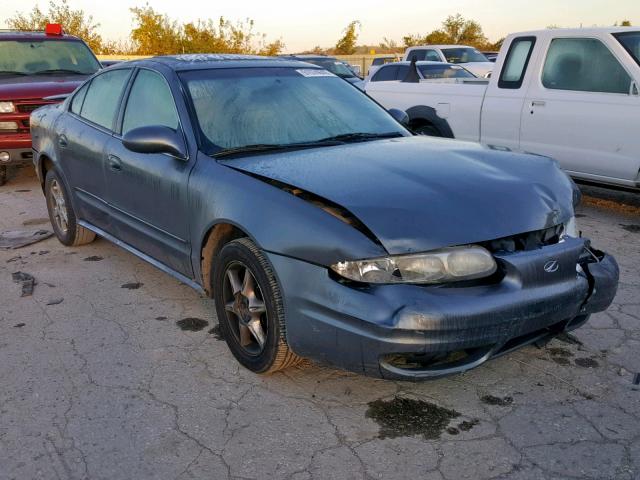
<point x="155" y="139"/>
<point x="400" y="116"/>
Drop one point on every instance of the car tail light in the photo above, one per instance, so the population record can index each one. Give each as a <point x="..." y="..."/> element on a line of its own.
<point x="53" y="29"/>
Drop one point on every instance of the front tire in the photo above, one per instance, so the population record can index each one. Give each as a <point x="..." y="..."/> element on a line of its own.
<point x="63" y="217"/>
<point x="250" y="308"/>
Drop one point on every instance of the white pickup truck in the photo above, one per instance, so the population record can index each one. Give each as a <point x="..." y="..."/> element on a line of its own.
<point x="570" y="94"/>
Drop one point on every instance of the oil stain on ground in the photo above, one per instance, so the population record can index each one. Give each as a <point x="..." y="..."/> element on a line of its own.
<point x="631" y="228"/>
<point x="560" y="355"/>
<point x="93" y="258"/>
<point x="497" y="401"/>
<point x="132" y="285"/>
<point x="586" y="362"/>
<point x="403" y="417"/>
<point x="192" y="324"/>
<point x="216" y="332"/>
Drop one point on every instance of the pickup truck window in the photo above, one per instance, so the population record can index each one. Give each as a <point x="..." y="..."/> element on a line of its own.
<point x="420" y="55"/>
<point x="631" y="43"/>
<point x="103" y="97"/>
<point x="463" y="55"/>
<point x="150" y="103"/>
<point x="583" y="65"/>
<point x="516" y="63"/>
<point x="386" y="73"/>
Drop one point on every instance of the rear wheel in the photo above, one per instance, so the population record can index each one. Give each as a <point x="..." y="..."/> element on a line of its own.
<point x="250" y="308"/>
<point x="61" y="213"/>
<point x="3" y="174"/>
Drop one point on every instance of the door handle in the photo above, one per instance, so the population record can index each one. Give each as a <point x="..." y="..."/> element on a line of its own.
<point x="115" y="163"/>
<point x="62" y="141"/>
<point x="538" y="103"/>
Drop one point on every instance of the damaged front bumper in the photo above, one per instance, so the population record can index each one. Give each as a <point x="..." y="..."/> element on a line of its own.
<point x="420" y="332"/>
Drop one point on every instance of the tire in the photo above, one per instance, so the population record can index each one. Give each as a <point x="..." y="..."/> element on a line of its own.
<point x="61" y="214"/>
<point x="3" y="174"/>
<point x="250" y="309"/>
<point x="426" y="129"/>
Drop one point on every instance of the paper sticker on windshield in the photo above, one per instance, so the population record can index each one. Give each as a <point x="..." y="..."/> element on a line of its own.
<point x="314" y="72"/>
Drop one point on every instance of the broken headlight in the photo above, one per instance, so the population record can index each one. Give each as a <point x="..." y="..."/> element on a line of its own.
<point x="438" y="266"/>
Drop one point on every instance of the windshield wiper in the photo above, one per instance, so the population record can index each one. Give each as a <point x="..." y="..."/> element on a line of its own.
<point x="60" y="70"/>
<point x="12" y="72"/>
<point x="360" y="136"/>
<point x="323" y="142"/>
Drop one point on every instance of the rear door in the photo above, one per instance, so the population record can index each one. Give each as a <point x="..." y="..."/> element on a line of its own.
<point x="82" y="138"/>
<point x="504" y="98"/>
<point x="580" y="109"/>
<point x="147" y="192"/>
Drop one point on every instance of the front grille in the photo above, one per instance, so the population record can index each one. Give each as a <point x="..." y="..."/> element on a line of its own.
<point x="526" y="241"/>
<point x="29" y="107"/>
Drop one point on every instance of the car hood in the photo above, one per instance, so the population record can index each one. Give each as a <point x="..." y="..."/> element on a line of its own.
<point x="38" y="86"/>
<point x="358" y="82"/>
<point x="479" y="69"/>
<point x="421" y="193"/>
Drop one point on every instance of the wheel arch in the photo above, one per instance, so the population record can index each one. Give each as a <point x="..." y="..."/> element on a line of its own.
<point x="422" y="114"/>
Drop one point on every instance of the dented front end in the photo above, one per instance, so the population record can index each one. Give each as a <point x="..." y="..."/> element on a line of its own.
<point x="423" y="332"/>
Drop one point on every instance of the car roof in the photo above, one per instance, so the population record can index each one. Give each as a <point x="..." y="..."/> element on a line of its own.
<point x="581" y="32"/>
<point x="421" y="62"/>
<point x="12" y="35"/>
<point x="439" y="46"/>
<point x="207" y="61"/>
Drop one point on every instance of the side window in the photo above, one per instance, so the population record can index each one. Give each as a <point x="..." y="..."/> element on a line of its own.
<point x="584" y="65"/>
<point x="432" y="56"/>
<point x="515" y="65"/>
<point x="402" y="72"/>
<point x="103" y="97"/>
<point x="384" y="74"/>
<point x="419" y="55"/>
<point x="150" y="103"/>
<point x="78" y="99"/>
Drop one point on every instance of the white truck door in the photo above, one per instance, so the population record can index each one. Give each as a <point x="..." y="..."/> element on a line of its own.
<point x="503" y="101"/>
<point x="582" y="110"/>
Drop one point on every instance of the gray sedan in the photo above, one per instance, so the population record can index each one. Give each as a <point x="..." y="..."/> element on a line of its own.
<point x="321" y="226"/>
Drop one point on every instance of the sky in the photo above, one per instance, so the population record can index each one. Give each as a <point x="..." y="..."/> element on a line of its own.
<point x="303" y="24"/>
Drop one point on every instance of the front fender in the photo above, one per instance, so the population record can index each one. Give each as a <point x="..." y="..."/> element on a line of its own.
<point x="277" y="221"/>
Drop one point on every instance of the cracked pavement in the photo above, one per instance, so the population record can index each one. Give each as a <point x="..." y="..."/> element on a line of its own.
<point x="105" y="385"/>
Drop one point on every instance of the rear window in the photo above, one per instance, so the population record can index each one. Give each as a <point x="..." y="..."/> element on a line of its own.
<point x="516" y="62"/>
<point x="430" y="72"/>
<point x="631" y="43"/>
<point x="386" y="73"/>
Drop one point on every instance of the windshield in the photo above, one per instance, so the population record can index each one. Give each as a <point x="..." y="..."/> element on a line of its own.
<point x="334" y="66"/>
<point x="29" y="57"/>
<point x="631" y="42"/>
<point x="279" y="106"/>
<point x="444" y="71"/>
<point x="463" y="55"/>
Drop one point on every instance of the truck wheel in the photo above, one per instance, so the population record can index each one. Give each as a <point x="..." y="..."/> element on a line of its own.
<point x="63" y="218"/>
<point x="3" y="174"/>
<point x="426" y="129"/>
<point x="250" y="308"/>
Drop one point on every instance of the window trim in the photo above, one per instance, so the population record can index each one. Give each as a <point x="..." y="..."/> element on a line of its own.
<point x="617" y="36"/>
<point x="604" y="43"/>
<point x="127" y="93"/>
<point x="79" y="116"/>
<point x="516" y="85"/>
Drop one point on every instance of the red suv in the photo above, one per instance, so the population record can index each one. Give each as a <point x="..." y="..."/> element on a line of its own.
<point x="36" y="68"/>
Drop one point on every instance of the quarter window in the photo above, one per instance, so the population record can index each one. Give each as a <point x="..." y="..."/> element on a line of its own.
<point x="584" y="65"/>
<point x="78" y="99"/>
<point x="150" y="103"/>
<point x="103" y="97"/>
<point x="515" y="65"/>
<point x="385" y="74"/>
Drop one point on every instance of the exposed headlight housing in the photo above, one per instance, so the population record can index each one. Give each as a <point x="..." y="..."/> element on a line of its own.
<point x="571" y="228"/>
<point x="9" y="126"/>
<point x="439" y="266"/>
<point x="7" y="107"/>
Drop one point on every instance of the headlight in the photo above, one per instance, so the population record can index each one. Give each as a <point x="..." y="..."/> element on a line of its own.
<point x="446" y="265"/>
<point x="8" y="126"/>
<point x="7" y="107"/>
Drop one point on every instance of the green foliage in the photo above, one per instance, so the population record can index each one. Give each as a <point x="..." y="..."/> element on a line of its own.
<point x="157" y="34"/>
<point x="455" y="30"/>
<point x="347" y="44"/>
<point x="74" y="22"/>
<point x="623" y="23"/>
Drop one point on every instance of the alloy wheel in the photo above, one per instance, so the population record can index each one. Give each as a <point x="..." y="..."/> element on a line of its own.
<point x="245" y="308"/>
<point x="58" y="206"/>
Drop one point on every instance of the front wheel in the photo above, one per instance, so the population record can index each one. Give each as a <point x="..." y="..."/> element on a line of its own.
<point x="63" y="217"/>
<point x="250" y="308"/>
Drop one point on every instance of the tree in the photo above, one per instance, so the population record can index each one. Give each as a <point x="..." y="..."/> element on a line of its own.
<point x="74" y="22"/>
<point x="347" y="44"/>
<point x="155" y="34"/>
<point x="623" y="23"/>
<point x="455" y="30"/>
